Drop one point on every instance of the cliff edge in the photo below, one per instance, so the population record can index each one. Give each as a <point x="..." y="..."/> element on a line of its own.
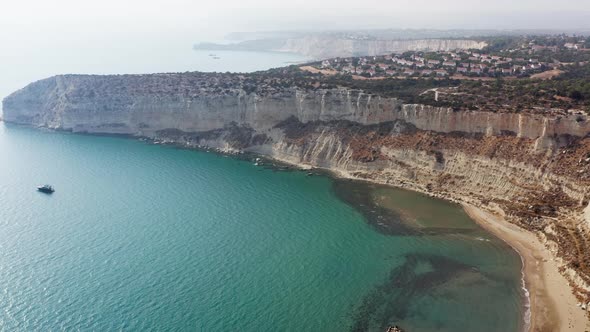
<point x="535" y="167"/>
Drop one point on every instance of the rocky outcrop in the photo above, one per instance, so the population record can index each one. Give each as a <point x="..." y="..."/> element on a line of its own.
<point x="535" y="167"/>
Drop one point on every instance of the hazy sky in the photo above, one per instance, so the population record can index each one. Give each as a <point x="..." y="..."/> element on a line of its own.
<point x="39" y="38"/>
<point x="229" y="15"/>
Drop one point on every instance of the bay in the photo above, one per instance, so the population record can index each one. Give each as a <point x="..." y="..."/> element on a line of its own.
<point x="149" y="237"/>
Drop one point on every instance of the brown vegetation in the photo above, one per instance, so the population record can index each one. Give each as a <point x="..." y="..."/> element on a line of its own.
<point x="538" y="209"/>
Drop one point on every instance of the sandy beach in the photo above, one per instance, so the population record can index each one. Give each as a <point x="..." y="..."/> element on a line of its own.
<point x="553" y="306"/>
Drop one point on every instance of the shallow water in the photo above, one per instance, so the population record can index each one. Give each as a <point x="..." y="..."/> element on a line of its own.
<point x="451" y="274"/>
<point x="139" y="236"/>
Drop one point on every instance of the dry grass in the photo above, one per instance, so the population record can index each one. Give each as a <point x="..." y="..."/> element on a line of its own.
<point x="314" y="70"/>
<point x="547" y="75"/>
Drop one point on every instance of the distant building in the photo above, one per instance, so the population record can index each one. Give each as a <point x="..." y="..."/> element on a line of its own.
<point x="537" y="48"/>
<point x="402" y="62"/>
<point x="441" y="72"/>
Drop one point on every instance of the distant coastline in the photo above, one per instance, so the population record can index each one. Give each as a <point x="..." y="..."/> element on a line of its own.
<point x="328" y="46"/>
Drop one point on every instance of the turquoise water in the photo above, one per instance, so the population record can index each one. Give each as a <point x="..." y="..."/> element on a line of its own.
<point x="145" y="237"/>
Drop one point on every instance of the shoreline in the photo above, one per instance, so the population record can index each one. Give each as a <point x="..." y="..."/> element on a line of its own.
<point x="543" y="312"/>
<point x="553" y="307"/>
<point x="551" y="303"/>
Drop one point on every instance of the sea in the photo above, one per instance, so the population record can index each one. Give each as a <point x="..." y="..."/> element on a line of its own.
<point x="143" y="237"/>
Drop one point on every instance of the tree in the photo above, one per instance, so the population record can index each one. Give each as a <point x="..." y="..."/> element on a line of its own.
<point x="576" y="95"/>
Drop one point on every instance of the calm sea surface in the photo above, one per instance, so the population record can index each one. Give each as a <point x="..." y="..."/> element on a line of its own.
<point x="145" y="237"/>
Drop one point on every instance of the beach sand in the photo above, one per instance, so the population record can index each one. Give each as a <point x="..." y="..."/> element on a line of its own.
<point x="553" y="306"/>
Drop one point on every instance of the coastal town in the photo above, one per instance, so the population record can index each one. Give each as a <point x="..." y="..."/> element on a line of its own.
<point x="528" y="59"/>
<point x="543" y="74"/>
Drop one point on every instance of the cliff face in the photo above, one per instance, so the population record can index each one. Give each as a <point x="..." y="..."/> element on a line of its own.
<point x="138" y="105"/>
<point x="319" y="47"/>
<point x="535" y="167"/>
<point x="322" y="46"/>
